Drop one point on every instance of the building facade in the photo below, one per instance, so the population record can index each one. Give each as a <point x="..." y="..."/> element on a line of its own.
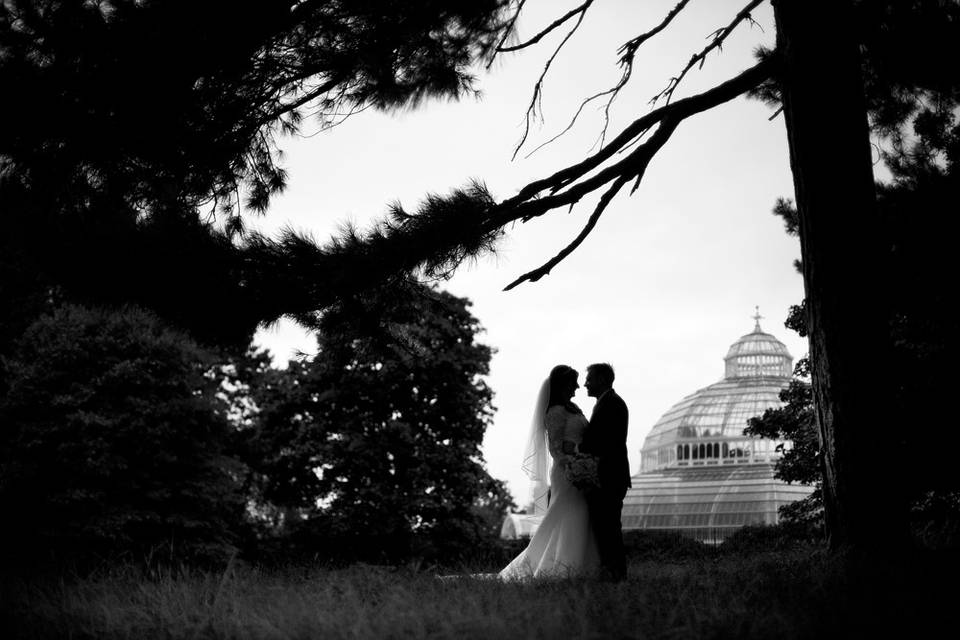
<point x="699" y="474"/>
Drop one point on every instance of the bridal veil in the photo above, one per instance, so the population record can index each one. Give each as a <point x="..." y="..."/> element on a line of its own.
<point x="536" y="459"/>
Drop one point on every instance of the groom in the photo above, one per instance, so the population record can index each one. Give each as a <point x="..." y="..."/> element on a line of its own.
<point x="606" y="438"/>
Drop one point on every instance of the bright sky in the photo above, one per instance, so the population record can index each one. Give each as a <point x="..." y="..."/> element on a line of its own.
<point x="670" y="276"/>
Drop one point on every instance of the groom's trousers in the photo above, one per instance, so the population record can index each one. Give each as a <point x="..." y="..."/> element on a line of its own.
<point x="605" y="508"/>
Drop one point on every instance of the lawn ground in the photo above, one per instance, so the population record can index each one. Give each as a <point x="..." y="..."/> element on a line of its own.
<point x="801" y="593"/>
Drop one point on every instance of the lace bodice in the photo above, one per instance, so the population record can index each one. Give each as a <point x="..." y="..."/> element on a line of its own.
<point x="563" y="425"/>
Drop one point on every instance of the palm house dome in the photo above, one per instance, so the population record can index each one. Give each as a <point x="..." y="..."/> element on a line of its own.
<point x="699" y="473"/>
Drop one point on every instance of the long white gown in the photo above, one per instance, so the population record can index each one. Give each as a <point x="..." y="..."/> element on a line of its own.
<point x="564" y="544"/>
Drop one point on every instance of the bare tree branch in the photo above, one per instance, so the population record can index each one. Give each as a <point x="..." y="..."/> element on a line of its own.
<point x="628" y="53"/>
<point x="528" y="204"/>
<point x="582" y="9"/>
<point x="536" y="274"/>
<point x="628" y="50"/>
<point x="630" y="47"/>
<point x="538" y="87"/>
<point x="717" y="43"/>
<point x="506" y="32"/>
<point x="681" y="109"/>
<point x="576" y="115"/>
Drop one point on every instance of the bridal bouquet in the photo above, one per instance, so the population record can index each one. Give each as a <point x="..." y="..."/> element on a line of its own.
<point x="582" y="473"/>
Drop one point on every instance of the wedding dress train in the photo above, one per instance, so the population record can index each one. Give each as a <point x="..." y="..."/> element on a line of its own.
<point x="564" y="543"/>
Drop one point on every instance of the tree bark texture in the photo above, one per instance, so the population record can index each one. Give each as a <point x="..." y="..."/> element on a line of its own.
<point x="830" y="156"/>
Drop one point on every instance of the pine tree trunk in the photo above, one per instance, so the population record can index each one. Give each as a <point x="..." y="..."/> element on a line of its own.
<point x="830" y="156"/>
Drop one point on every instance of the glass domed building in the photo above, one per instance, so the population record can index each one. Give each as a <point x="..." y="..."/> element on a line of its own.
<point x="699" y="474"/>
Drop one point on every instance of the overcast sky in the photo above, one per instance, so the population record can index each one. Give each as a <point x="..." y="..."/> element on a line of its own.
<point x="670" y="276"/>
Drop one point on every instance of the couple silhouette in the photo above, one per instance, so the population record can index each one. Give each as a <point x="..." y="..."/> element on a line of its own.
<point x="580" y="534"/>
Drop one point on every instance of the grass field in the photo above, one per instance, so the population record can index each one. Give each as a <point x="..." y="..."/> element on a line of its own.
<point x="801" y="593"/>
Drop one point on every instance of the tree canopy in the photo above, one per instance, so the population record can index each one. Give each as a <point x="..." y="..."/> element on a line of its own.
<point x="172" y="101"/>
<point x="145" y="129"/>
<point x="374" y="443"/>
<point x="113" y="441"/>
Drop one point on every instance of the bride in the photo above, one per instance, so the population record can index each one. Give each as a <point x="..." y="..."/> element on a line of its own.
<point x="564" y="544"/>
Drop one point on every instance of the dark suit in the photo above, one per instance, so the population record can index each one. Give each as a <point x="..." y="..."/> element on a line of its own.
<point x="606" y="438"/>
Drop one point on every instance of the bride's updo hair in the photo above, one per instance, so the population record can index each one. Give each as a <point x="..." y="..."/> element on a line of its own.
<point x="559" y="375"/>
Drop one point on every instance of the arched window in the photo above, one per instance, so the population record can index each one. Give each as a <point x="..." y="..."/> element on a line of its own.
<point x="686" y="452"/>
<point x="679" y="452"/>
<point x="716" y="449"/>
<point x="703" y="452"/>
<point x="726" y="450"/>
<point x="695" y="456"/>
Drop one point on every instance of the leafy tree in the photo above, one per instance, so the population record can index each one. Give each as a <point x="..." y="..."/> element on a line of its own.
<point x="794" y="421"/>
<point x="374" y="443"/>
<point x="174" y="264"/>
<point x="113" y="442"/>
<point x="137" y="116"/>
<point x="178" y="102"/>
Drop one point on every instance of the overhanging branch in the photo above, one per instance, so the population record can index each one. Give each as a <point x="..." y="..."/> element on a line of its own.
<point x="565" y="190"/>
<point x="627" y="53"/>
<point x="538" y="87"/>
<point x="555" y="24"/>
<point x="719" y="36"/>
<point x="680" y="110"/>
<point x="448" y="230"/>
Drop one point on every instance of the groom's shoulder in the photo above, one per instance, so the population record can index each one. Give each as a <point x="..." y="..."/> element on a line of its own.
<point x="617" y="400"/>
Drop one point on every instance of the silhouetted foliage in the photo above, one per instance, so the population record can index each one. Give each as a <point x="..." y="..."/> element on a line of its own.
<point x="135" y="118"/>
<point x="371" y="448"/>
<point x="787" y="535"/>
<point x="113" y="444"/>
<point x="925" y="346"/>
<point x="181" y="268"/>
<point x="920" y="230"/>
<point x="800" y="462"/>
<point x="793" y="421"/>
<point x="911" y="95"/>
<point x="179" y="102"/>
<point x="936" y="519"/>
<point x="662" y="546"/>
<point x="295" y="276"/>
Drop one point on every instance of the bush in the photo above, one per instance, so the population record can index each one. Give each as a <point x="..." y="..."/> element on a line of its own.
<point x="778" y="537"/>
<point x="662" y="545"/>
<point x="935" y="519"/>
<point x="112" y="443"/>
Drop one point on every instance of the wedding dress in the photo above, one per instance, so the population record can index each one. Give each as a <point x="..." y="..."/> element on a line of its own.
<point x="564" y="544"/>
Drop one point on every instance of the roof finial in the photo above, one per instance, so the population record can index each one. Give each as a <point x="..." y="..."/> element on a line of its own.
<point x="756" y="318"/>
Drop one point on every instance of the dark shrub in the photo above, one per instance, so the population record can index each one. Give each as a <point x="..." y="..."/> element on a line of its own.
<point x="935" y="520"/>
<point x="112" y="443"/>
<point x="662" y="545"/>
<point x="778" y="537"/>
